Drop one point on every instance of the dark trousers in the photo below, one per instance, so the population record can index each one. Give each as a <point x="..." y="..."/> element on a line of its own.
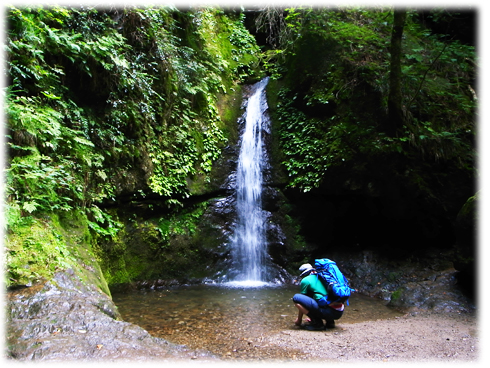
<point x="315" y="312"/>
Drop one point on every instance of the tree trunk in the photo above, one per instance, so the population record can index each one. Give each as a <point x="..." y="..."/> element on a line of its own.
<point x="395" y="110"/>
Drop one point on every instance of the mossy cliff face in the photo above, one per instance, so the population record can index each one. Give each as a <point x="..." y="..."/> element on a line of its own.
<point x="118" y="108"/>
<point x="156" y="245"/>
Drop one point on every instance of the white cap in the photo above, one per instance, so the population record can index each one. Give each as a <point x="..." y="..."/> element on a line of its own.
<point x="305" y="269"/>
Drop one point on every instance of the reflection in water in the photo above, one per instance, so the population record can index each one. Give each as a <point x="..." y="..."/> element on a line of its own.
<point x="223" y="319"/>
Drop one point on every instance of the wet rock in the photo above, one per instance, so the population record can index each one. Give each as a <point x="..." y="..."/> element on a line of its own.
<point x="436" y="293"/>
<point x="272" y="198"/>
<point x="65" y="319"/>
<point x="466" y="245"/>
<point x="427" y="281"/>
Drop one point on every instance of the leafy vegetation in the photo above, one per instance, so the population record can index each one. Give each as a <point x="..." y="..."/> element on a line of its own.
<point x="334" y="112"/>
<point x="110" y="102"/>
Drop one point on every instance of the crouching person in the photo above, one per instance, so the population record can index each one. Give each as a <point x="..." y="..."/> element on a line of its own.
<point x="311" y="290"/>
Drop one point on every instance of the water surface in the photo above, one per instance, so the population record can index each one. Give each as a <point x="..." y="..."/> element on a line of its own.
<point x="231" y="321"/>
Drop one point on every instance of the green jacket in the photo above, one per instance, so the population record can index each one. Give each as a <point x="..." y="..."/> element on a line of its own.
<point x="313" y="287"/>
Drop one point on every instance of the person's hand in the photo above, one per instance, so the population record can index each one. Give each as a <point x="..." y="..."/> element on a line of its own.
<point x="298" y="321"/>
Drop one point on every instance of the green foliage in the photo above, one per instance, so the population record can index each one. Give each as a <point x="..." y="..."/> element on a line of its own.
<point x="104" y="102"/>
<point x="306" y="152"/>
<point x="229" y="42"/>
<point x="54" y="163"/>
<point x="104" y="225"/>
<point x="50" y="161"/>
<point x="334" y="112"/>
<point x="181" y="222"/>
<point x="189" y="137"/>
<point x="156" y="99"/>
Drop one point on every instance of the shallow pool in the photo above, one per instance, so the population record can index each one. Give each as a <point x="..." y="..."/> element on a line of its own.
<point x="229" y="320"/>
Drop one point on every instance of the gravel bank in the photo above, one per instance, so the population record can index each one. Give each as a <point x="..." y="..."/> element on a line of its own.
<point x="411" y="338"/>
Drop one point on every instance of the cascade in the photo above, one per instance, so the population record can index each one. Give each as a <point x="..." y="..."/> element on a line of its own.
<point x="249" y="246"/>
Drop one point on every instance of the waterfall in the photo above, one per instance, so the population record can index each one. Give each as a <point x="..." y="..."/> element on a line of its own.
<point x="249" y="246"/>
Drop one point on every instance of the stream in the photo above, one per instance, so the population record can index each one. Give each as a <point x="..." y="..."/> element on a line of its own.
<point x="230" y="321"/>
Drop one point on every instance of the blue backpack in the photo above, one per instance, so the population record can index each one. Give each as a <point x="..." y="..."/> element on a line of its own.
<point x="338" y="289"/>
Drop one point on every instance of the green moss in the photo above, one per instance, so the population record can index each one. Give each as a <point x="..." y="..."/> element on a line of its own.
<point x="396" y="294"/>
<point x="229" y="107"/>
<point x="469" y="212"/>
<point x="75" y="229"/>
<point x="151" y="248"/>
<point x="230" y="43"/>
<point x="37" y="248"/>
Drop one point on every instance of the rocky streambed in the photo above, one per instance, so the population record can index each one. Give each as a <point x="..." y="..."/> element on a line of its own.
<point x="67" y="319"/>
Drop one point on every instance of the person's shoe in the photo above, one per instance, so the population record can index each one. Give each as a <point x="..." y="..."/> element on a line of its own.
<point x="330" y="324"/>
<point x="315" y="326"/>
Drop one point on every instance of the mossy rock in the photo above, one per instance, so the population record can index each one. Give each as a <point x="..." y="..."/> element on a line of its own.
<point x="37" y="248"/>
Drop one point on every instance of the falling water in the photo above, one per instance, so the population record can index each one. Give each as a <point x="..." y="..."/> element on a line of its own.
<point x="249" y="241"/>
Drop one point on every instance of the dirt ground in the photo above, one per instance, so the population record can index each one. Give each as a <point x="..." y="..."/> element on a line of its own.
<point x="422" y="339"/>
<point x="419" y="338"/>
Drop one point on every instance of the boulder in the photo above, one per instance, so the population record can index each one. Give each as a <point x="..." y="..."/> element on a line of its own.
<point x="65" y="319"/>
